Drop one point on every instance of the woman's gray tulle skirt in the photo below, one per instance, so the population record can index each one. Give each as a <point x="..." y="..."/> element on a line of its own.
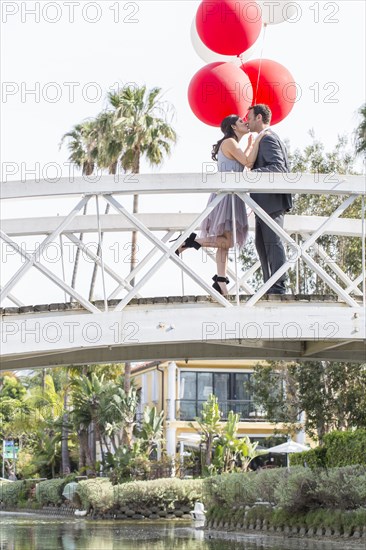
<point x="221" y="219"/>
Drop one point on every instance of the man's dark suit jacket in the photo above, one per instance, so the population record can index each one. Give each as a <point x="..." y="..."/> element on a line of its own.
<point x="272" y="157"/>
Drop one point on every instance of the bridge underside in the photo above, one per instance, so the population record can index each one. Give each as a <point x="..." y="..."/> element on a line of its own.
<point x="286" y="328"/>
<point x="231" y="349"/>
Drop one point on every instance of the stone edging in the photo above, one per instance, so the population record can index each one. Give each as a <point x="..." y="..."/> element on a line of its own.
<point x="293" y="531"/>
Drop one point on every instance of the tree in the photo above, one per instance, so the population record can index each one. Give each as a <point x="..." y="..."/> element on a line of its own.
<point x="230" y="451"/>
<point x="344" y="251"/>
<point x="360" y="132"/>
<point x="135" y="125"/>
<point x="147" y="132"/>
<point x="331" y="394"/>
<point x="152" y="428"/>
<point x="86" y="395"/>
<point x="110" y="141"/>
<point x="83" y="149"/>
<point x="82" y="146"/>
<point x="209" y="425"/>
<point x="143" y="116"/>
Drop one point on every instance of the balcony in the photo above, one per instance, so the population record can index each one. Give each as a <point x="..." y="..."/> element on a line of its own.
<point x="189" y="409"/>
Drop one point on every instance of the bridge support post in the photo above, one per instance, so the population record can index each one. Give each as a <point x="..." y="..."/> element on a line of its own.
<point x="172" y="393"/>
<point x="171" y="439"/>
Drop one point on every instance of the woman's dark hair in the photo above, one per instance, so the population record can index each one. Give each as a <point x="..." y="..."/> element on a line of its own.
<point x="227" y="130"/>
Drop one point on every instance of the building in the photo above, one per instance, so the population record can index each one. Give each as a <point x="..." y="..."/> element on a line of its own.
<point x="181" y="387"/>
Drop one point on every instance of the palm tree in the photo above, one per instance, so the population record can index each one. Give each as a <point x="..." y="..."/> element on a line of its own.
<point x="83" y="148"/>
<point x="110" y="142"/>
<point x="143" y="118"/>
<point x="360" y="132"/>
<point x="45" y="421"/>
<point x="86" y="397"/>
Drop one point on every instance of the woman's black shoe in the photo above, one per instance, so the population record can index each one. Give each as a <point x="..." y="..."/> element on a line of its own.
<point x="218" y="280"/>
<point x="190" y="242"/>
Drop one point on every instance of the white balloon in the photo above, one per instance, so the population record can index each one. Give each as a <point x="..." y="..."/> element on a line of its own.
<point x="277" y="11"/>
<point x="211" y="57"/>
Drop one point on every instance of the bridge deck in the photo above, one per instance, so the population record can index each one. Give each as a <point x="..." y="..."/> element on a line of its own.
<point x="289" y="327"/>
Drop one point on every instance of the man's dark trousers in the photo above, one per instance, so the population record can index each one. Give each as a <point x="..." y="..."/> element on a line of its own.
<point x="271" y="251"/>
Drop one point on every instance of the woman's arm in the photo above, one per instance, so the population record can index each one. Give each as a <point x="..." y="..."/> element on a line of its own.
<point x="231" y="149"/>
<point x="252" y="152"/>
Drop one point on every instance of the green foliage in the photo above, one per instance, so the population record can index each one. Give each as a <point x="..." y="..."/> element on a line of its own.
<point x="342" y="488"/>
<point x="230" y="489"/>
<point x="266" y="482"/>
<point x="96" y="493"/>
<point x="335" y="519"/>
<point x="11" y="387"/>
<point x="12" y="493"/>
<point x="339" y="449"/>
<point x="344" y="448"/>
<point x="127" y="462"/>
<point x="332" y="395"/>
<point x="295" y="491"/>
<point x="315" y="458"/>
<point x="230" y="453"/>
<point x="50" y="491"/>
<point x="165" y="493"/>
<point x="345" y="251"/>
<point x="360" y="132"/>
<point x="152" y="428"/>
<point x="275" y="387"/>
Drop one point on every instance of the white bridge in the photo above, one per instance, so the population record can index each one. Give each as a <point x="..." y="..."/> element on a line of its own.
<point x="46" y="322"/>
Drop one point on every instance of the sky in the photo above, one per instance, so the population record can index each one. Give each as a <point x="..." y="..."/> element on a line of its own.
<point x="93" y="47"/>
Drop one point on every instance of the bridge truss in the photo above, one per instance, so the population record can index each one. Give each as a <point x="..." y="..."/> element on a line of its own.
<point x="126" y="322"/>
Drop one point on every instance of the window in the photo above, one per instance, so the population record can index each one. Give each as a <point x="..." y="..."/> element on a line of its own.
<point x="240" y="390"/>
<point x="222" y="386"/>
<point x="229" y="387"/>
<point x="204" y="385"/>
<point x="188" y="385"/>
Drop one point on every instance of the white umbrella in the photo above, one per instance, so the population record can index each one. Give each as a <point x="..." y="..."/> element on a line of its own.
<point x="288" y="448"/>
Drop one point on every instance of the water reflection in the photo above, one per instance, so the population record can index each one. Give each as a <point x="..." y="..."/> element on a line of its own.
<point x="38" y="533"/>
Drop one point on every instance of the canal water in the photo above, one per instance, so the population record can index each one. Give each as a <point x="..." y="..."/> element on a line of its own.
<point x="31" y="532"/>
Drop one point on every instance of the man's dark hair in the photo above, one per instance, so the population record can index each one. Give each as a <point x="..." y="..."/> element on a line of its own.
<point x="264" y="110"/>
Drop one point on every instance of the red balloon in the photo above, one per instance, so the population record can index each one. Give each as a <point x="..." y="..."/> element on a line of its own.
<point x="228" y="27"/>
<point x="276" y="86"/>
<point x="218" y="90"/>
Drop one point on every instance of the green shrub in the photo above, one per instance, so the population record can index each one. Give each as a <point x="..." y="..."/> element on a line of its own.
<point x="233" y="489"/>
<point x="345" y="448"/>
<point x="165" y="493"/>
<point x="96" y="493"/>
<point x="343" y="488"/>
<point x="339" y="449"/>
<point x="315" y="458"/>
<point x="17" y="492"/>
<point x="297" y="491"/>
<point x="280" y="517"/>
<point x="50" y="491"/>
<point x="12" y="493"/>
<point x="259" y="512"/>
<point x="266" y="482"/>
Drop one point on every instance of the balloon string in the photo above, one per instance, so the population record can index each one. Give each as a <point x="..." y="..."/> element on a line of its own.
<point x="260" y="64"/>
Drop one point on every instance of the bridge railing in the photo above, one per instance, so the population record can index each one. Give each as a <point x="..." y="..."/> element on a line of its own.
<point x="159" y="226"/>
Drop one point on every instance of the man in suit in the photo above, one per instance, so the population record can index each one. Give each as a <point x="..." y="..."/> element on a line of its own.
<point x="272" y="157"/>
